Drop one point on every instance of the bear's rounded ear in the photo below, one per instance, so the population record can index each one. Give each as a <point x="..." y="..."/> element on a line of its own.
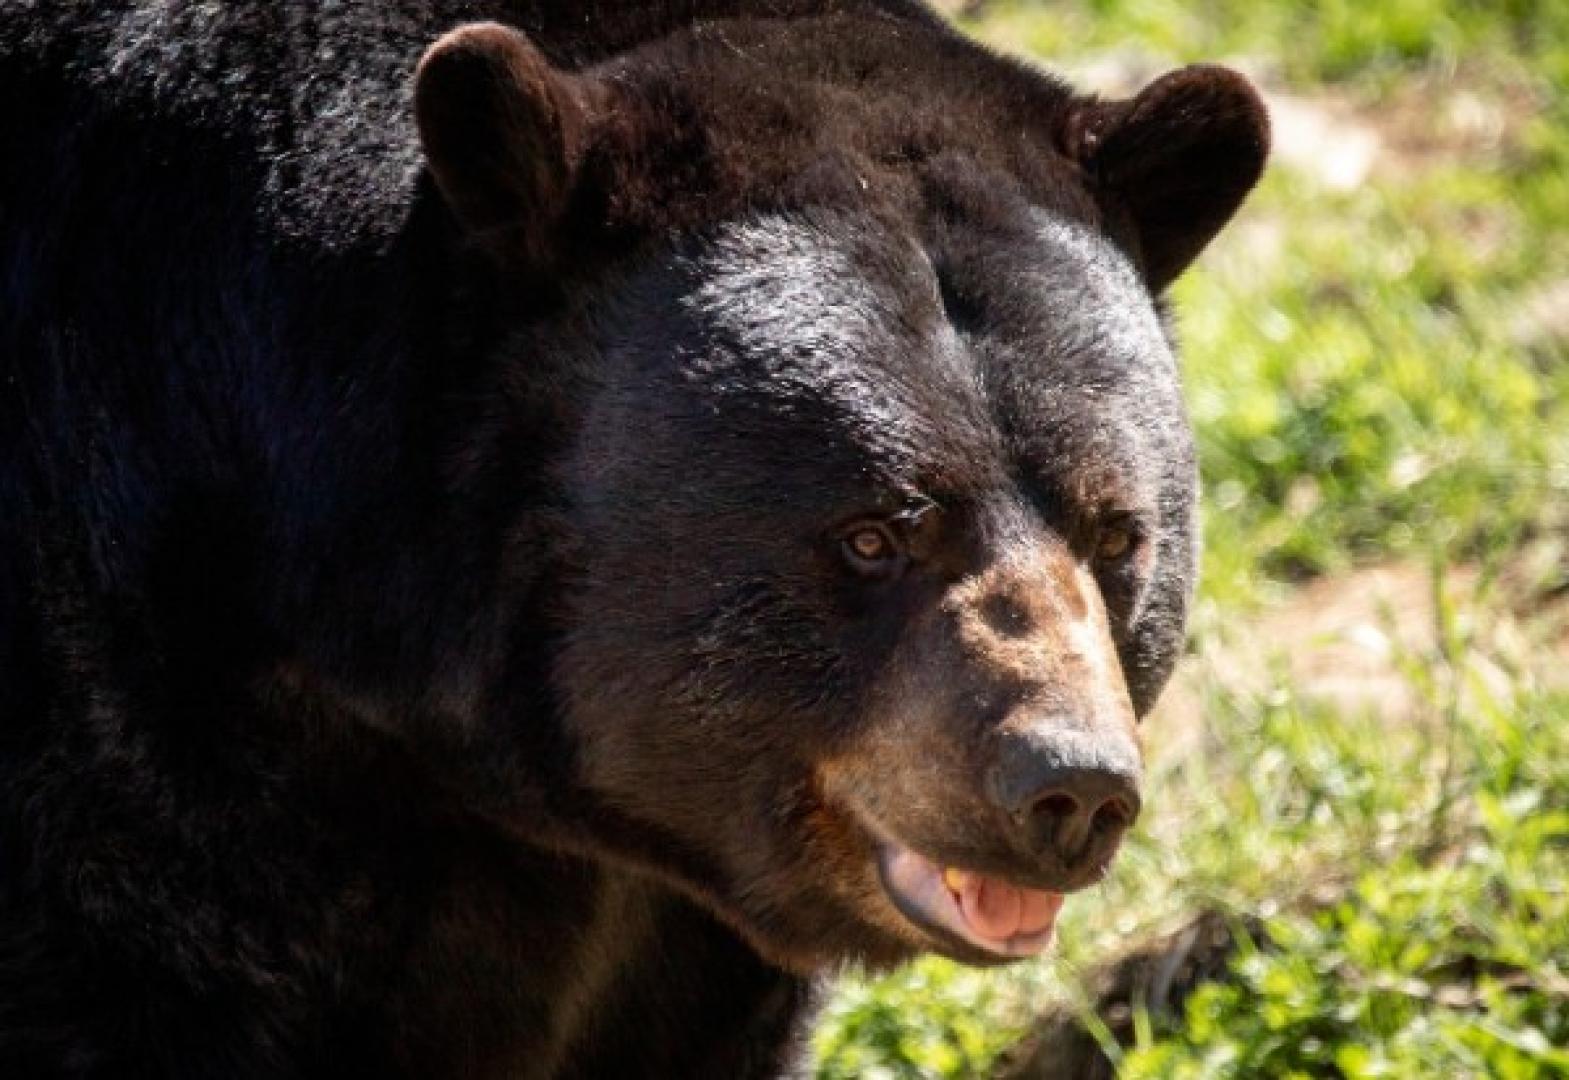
<point x="503" y="132"/>
<point x="1179" y="158"/>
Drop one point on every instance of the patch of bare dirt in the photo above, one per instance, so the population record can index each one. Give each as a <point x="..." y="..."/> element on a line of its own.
<point x="1323" y="138"/>
<point x="1346" y="640"/>
<point x="1541" y="320"/>
<point x="1469" y="117"/>
<point x="1343" y="139"/>
<point x="1343" y="136"/>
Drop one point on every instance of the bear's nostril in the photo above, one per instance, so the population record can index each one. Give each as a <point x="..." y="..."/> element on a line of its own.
<point x="1113" y="815"/>
<point x="1075" y="822"/>
<point x="1057" y="804"/>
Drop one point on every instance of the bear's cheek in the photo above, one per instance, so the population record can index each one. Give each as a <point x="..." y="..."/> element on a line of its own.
<point x="705" y="734"/>
<point x="715" y="743"/>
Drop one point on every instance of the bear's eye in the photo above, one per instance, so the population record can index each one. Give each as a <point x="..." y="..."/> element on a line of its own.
<point x="1115" y="542"/>
<point x="871" y="549"/>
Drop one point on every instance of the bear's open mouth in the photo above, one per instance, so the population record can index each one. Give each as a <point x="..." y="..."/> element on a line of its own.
<point x="996" y="916"/>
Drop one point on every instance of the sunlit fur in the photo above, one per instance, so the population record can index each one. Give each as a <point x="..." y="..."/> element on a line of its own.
<point x="426" y="646"/>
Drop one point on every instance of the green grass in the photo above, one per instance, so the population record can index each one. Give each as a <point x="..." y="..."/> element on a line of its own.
<point x="1444" y="956"/>
<point x="1309" y="42"/>
<point x="1366" y="387"/>
<point x="1443" y="845"/>
<point x="1361" y="395"/>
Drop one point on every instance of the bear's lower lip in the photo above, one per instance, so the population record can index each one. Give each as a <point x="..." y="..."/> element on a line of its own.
<point x="1001" y="919"/>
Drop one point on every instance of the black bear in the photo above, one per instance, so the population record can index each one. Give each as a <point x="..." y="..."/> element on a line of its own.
<point x="528" y="529"/>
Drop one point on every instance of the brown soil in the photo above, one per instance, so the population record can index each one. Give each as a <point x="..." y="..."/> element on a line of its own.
<point x="1343" y="640"/>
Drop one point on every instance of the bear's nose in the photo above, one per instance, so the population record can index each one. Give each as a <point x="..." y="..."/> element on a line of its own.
<point x="1068" y="794"/>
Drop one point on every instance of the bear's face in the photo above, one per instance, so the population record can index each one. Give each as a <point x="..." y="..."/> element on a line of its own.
<point x="843" y="543"/>
<point x="880" y="504"/>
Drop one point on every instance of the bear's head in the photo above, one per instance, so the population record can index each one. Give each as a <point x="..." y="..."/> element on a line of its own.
<point x="878" y="489"/>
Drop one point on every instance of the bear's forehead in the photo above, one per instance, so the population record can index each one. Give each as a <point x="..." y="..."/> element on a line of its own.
<point x="821" y="321"/>
<point x="824" y="337"/>
<point x="808" y="297"/>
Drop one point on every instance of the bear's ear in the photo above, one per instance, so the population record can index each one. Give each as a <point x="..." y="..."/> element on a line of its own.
<point x="1179" y="158"/>
<point x="503" y="132"/>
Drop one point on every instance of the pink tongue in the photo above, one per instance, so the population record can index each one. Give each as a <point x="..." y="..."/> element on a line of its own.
<point x="996" y="910"/>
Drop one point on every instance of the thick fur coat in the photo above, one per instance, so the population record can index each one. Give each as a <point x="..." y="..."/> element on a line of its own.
<point x="510" y="511"/>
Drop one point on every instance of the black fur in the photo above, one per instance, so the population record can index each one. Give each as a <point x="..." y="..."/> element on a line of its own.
<point x="422" y="644"/>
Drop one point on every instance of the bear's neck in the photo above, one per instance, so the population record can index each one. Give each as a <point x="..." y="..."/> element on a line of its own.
<point x="429" y="572"/>
<point x="664" y="990"/>
<point x="493" y="957"/>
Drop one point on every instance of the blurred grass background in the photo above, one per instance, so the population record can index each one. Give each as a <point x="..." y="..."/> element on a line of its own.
<point x="1362" y="772"/>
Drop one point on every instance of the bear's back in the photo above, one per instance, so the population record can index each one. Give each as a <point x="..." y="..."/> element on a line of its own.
<point x="317" y="94"/>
